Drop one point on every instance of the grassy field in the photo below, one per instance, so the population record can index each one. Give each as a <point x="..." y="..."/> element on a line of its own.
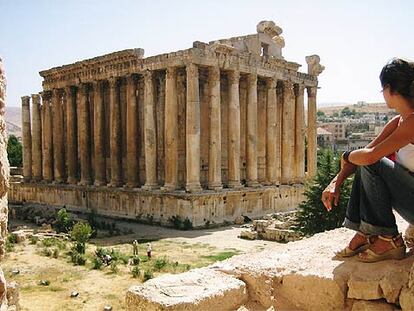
<point x="47" y="277"/>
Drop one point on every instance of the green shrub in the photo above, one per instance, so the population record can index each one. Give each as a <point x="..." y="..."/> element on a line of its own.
<point x="64" y="222"/>
<point x="46" y="252"/>
<point x="81" y="232"/>
<point x="136" y="272"/>
<point x="12" y="238"/>
<point x="97" y="263"/>
<point x="14" y="151"/>
<point x="33" y="240"/>
<point x="312" y="216"/>
<point x="114" y="266"/>
<point x="187" y="224"/>
<point x="9" y="246"/>
<point x="77" y="258"/>
<point x="136" y="260"/>
<point x="55" y="253"/>
<point x="160" y="263"/>
<point x="148" y="275"/>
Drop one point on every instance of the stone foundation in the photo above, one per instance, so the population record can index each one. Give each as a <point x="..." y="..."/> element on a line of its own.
<point x="157" y="206"/>
<point x="301" y="275"/>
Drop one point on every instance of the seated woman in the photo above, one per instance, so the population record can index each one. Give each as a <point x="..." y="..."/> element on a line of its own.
<point x="381" y="184"/>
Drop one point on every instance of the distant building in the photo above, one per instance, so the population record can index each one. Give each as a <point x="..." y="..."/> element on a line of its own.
<point x="336" y="128"/>
<point x="324" y="138"/>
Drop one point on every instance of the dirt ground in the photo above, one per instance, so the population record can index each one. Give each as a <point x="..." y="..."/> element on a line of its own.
<point x="97" y="288"/>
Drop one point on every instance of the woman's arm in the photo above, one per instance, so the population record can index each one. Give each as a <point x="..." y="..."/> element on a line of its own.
<point x="401" y="136"/>
<point x="386" y="131"/>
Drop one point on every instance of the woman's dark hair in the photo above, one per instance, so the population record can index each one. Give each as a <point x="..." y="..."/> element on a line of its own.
<point x="398" y="74"/>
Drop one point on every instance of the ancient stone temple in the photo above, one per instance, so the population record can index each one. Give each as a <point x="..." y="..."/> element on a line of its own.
<point x="209" y="133"/>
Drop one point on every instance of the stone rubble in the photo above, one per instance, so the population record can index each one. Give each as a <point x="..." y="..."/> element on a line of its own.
<point x="274" y="227"/>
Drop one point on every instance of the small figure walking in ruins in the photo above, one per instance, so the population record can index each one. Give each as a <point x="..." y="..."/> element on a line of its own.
<point x="384" y="175"/>
<point x="135" y="247"/>
<point x="149" y="250"/>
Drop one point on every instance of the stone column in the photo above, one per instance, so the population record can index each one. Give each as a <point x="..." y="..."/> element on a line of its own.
<point x="233" y="124"/>
<point x="27" y="139"/>
<point x="214" y="156"/>
<point x="36" y="138"/>
<point x="192" y="130"/>
<point x="71" y="135"/>
<point x="58" y="155"/>
<point x="288" y="132"/>
<point x="150" y="135"/>
<point x="115" y="134"/>
<point x="47" y="159"/>
<point x="251" y="141"/>
<point x="171" y="130"/>
<point x="99" y="135"/>
<point x="299" y="134"/>
<point x="132" y="172"/>
<point x="84" y="136"/>
<point x="279" y="142"/>
<point x="312" y="145"/>
<point x="271" y="138"/>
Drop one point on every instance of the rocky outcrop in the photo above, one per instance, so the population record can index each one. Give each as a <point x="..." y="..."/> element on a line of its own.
<point x="302" y="275"/>
<point x="8" y="291"/>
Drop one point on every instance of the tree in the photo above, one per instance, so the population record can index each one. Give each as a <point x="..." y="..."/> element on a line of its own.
<point x="320" y="114"/>
<point x="312" y="217"/>
<point x="81" y="233"/>
<point x="64" y="221"/>
<point x="14" y="151"/>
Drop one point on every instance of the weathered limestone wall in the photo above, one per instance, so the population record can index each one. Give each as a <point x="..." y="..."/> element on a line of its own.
<point x="8" y="291"/>
<point x="302" y="275"/>
<point x="157" y="206"/>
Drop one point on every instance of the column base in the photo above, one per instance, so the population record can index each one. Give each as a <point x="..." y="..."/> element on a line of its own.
<point x="72" y="181"/>
<point x="84" y="183"/>
<point x="193" y="187"/>
<point x="27" y="179"/>
<point x="36" y="179"/>
<point x="234" y="184"/>
<point x="252" y="183"/>
<point x="150" y="186"/>
<point x="115" y="184"/>
<point x="58" y="181"/>
<point x="99" y="183"/>
<point x="215" y="186"/>
<point x="169" y="187"/>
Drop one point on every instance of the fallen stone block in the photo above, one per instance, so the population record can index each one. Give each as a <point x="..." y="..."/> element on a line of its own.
<point x="362" y="305"/>
<point x="248" y="235"/>
<point x="200" y="289"/>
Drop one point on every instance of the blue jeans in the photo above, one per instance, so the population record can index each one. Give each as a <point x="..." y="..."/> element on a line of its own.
<point x="377" y="189"/>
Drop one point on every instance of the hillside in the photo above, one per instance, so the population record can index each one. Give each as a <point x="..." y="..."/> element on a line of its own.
<point x="360" y="107"/>
<point x="13" y="118"/>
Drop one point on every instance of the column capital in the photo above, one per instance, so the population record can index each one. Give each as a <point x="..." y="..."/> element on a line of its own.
<point x="170" y="72"/>
<point x="234" y="76"/>
<point x="46" y="95"/>
<point x="56" y="92"/>
<point x="214" y="73"/>
<point x="311" y="91"/>
<point x="148" y="74"/>
<point x="36" y="98"/>
<point x="25" y="100"/>
<point x="96" y="84"/>
<point x="271" y="83"/>
<point x="113" y="81"/>
<point x="299" y="88"/>
<point x="192" y="70"/>
<point x="251" y="79"/>
<point x="69" y="90"/>
<point x="83" y="88"/>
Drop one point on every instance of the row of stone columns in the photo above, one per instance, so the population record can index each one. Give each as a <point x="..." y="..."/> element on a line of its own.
<point x="45" y="150"/>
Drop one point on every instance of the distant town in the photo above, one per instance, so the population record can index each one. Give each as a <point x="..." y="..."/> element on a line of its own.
<point x="351" y="127"/>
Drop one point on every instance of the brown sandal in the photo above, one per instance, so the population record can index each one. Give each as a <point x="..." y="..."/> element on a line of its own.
<point x="348" y="252"/>
<point x="397" y="252"/>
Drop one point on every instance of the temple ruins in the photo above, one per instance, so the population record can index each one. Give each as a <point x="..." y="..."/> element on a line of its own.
<point x="209" y="133"/>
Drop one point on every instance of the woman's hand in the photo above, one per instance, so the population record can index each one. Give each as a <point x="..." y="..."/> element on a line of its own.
<point x="331" y="194"/>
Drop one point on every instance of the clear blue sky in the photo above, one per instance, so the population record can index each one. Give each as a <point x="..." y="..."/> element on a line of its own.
<point x="353" y="38"/>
